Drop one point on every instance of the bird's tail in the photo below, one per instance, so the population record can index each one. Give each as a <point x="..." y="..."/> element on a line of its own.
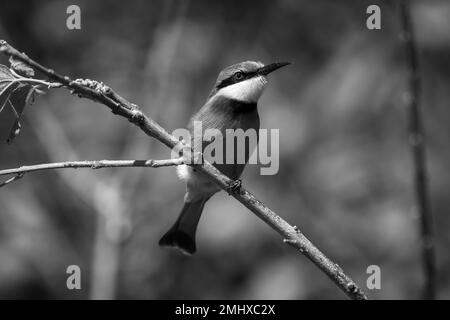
<point x="182" y="233"/>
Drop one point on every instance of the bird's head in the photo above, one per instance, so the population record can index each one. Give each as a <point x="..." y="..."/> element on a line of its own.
<point x="244" y="81"/>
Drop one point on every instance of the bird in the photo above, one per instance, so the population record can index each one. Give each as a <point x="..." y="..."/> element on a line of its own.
<point x="231" y="104"/>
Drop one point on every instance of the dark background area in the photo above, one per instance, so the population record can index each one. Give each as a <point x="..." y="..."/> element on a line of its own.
<point x="345" y="173"/>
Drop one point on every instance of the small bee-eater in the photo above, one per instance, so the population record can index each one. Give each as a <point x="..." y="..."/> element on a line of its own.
<point x="232" y="104"/>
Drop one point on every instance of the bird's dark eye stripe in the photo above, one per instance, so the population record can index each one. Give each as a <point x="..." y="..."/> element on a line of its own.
<point x="224" y="83"/>
<point x="233" y="79"/>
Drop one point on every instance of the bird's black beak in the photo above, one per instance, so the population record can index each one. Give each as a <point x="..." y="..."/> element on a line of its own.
<point x="271" y="67"/>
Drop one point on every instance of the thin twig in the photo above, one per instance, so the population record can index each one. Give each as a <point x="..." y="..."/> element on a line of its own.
<point x="292" y="235"/>
<point x="94" y="164"/>
<point x="10" y="180"/>
<point x="417" y="142"/>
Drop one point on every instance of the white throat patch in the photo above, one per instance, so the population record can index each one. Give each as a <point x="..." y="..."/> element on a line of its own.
<point x="247" y="91"/>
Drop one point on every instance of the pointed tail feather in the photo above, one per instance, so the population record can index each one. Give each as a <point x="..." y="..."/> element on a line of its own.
<point x="182" y="233"/>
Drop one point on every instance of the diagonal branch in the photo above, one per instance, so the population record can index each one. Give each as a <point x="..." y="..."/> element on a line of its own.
<point x="293" y="236"/>
<point x="417" y="143"/>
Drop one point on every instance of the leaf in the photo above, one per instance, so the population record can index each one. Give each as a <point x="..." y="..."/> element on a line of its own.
<point x="31" y="96"/>
<point x="19" y="99"/>
<point x="21" y="68"/>
<point x="6" y="94"/>
<point x="6" y="77"/>
<point x="7" y="86"/>
<point x="15" y="92"/>
<point x="5" y="73"/>
<point x="15" y="130"/>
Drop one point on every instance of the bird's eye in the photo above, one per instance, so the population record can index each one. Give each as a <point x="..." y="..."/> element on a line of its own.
<point x="239" y="75"/>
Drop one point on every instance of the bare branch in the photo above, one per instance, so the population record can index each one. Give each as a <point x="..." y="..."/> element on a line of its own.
<point x="97" y="91"/>
<point x="10" y="180"/>
<point x="94" y="164"/>
<point x="417" y="143"/>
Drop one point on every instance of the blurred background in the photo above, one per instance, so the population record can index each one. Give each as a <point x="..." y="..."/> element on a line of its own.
<point x="345" y="173"/>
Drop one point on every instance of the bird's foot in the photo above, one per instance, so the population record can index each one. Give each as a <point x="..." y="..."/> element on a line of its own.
<point x="234" y="186"/>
